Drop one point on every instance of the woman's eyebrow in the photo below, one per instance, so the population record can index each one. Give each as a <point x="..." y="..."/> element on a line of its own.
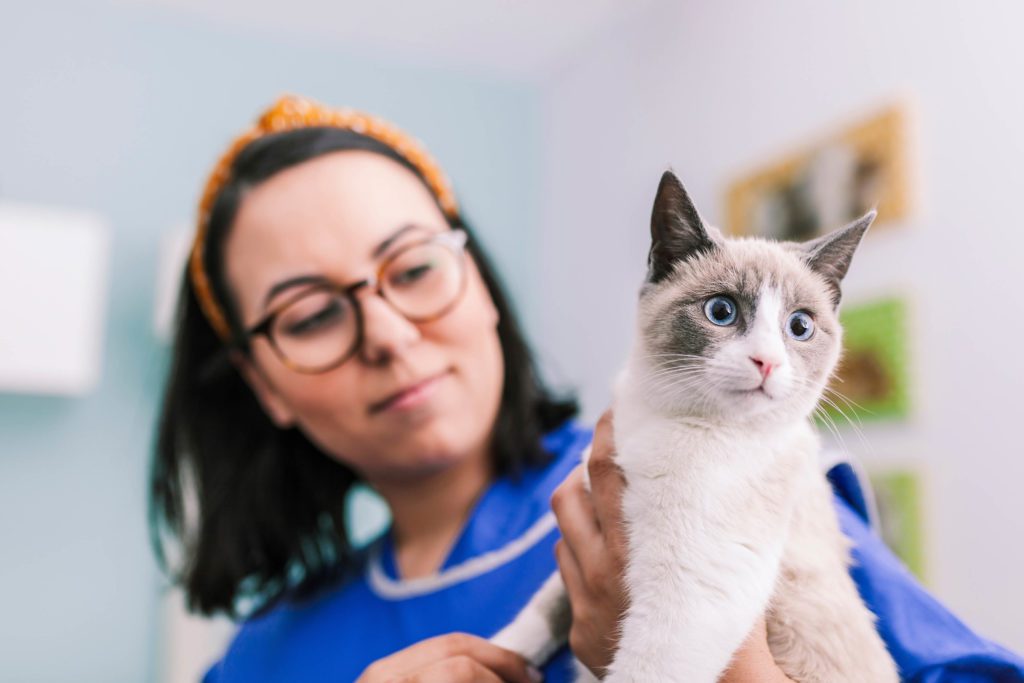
<point x="377" y="252"/>
<point x="289" y="283"/>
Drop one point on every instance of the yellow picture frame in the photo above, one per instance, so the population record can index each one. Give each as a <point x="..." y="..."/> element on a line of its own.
<point x="828" y="183"/>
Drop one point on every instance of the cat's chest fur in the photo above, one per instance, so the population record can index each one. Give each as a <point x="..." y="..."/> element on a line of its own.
<point x="691" y="481"/>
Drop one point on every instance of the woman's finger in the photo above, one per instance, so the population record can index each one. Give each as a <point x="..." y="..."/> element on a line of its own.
<point x="510" y="666"/>
<point x="593" y="635"/>
<point x="572" y="575"/>
<point x="577" y="520"/>
<point x="606" y="486"/>
<point x="461" y="669"/>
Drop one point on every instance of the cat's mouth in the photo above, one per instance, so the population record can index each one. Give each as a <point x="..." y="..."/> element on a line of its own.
<point x="758" y="390"/>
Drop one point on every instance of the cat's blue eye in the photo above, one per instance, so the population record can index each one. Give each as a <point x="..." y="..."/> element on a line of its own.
<point x="721" y="310"/>
<point x="800" y="326"/>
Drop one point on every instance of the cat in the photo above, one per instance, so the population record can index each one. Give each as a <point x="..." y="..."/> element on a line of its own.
<point x="728" y="516"/>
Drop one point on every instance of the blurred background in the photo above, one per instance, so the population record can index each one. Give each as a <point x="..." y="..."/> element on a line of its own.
<point x="555" y="121"/>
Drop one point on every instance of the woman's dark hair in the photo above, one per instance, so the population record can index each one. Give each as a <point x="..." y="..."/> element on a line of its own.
<point x="257" y="511"/>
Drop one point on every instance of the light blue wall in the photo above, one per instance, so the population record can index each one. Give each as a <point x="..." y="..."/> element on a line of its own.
<point x="122" y="110"/>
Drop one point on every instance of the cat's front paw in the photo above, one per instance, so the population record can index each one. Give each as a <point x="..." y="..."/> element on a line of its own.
<point x="529" y="636"/>
<point x="585" y="675"/>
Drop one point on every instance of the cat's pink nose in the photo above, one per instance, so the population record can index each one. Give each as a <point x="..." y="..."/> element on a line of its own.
<point x="763" y="366"/>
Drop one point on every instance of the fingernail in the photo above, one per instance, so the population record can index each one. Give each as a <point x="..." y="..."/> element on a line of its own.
<point x="535" y="675"/>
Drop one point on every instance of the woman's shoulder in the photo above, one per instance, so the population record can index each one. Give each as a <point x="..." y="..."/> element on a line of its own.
<point x="293" y="636"/>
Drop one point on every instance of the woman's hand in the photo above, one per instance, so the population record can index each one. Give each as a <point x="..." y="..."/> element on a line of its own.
<point x="592" y="551"/>
<point x="451" y="658"/>
<point x="753" y="662"/>
<point x="591" y="558"/>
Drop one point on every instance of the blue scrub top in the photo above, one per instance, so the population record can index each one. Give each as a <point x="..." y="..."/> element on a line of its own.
<point x="506" y="551"/>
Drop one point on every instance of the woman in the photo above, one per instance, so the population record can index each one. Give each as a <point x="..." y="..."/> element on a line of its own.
<point x="341" y="325"/>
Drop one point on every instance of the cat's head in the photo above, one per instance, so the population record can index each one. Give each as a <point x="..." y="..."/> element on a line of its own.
<point x="737" y="328"/>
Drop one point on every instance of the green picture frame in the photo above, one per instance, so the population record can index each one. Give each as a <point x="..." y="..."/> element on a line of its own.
<point x="872" y="382"/>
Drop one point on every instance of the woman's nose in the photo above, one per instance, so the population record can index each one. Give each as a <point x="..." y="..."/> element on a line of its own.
<point x="386" y="332"/>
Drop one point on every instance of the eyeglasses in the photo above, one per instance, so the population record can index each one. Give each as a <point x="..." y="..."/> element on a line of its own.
<point x="322" y="326"/>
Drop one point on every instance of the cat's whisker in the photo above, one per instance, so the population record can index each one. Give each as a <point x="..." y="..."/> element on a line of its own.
<point x="849" y="401"/>
<point x="672" y="373"/>
<point x="672" y="355"/>
<point x="859" y="423"/>
<point x="857" y="430"/>
<point x="828" y="419"/>
<point x="681" y="368"/>
<point x="698" y="387"/>
<point x="831" y="426"/>
<point x="684" y="385"/>
<point x="677" y="366"/>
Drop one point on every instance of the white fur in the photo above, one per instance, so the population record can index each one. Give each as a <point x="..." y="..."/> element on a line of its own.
<point x="533" y="633"/>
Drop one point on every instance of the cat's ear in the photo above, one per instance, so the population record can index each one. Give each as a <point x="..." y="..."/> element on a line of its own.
<point x="830" y="255"/>
<point x="676" y="229"/>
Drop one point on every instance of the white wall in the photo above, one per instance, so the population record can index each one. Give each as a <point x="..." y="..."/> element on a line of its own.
<point x="715" y="88"/>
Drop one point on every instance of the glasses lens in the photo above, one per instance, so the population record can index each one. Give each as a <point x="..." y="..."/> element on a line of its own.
<point x="316" y="330"/>
<point x="424" y="280"/>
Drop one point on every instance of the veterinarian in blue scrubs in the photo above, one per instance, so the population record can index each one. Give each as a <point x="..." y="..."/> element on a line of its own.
<point x="340" y="325"/>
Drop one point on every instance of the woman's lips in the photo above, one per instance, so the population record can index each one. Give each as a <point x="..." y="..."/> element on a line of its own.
<point x="411" y="396"/>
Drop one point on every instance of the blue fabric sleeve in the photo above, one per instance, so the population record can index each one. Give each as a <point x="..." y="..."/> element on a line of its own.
<point x="928" y="642"/>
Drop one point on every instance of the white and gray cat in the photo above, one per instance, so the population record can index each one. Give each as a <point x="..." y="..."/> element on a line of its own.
<point x="727" y="514"/>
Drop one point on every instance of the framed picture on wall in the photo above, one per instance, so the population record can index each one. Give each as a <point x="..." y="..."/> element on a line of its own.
<point x="823" y="185"/>
<point x="899" y="495"/>
<point x="872" y="381"/>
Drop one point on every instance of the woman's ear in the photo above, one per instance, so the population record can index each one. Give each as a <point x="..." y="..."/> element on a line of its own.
<point x="273" y="405"/>
<point x="492" y="308"/>
<point x="495" y="313"/>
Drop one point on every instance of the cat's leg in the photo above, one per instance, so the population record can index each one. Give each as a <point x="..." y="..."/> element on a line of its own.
<point x="688" y="628"/>
<point x="819" y="629"/>
<point x="584" y="675"/>
<point x="542" y="626"/>
<point x="695" y="592"/>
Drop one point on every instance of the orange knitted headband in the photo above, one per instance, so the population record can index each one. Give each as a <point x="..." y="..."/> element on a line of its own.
<point x="291" y="113"/>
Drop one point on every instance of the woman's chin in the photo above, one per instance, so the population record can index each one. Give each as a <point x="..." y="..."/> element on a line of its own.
<point x="429" y="451"/>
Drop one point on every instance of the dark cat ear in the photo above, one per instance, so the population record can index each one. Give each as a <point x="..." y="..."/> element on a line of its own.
<point x="676" y="229"/>
<point x="830" y="255"/>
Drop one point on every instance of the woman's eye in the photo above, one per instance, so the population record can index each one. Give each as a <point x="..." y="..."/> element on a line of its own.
<point x="721" y="310"/>
<point x="411" y="275"/>
<point x="329" y="315"/>
<point x="800" y="326"/>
